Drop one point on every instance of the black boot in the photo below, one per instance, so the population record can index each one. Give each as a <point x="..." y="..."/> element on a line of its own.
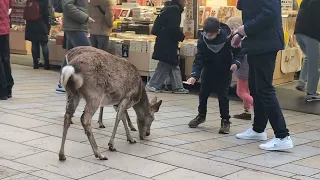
<point x="225" y="126"/>
<point x="35" y="64"/>
<point x="199" y="119"/>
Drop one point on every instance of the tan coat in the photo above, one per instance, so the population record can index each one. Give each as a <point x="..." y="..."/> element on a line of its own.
<point x="103" y="22"/>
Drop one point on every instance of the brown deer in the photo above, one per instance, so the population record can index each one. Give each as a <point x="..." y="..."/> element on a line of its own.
<point x="102" y="80"/>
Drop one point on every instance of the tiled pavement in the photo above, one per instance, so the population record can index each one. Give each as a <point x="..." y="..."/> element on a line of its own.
<point x="31" y="129"/>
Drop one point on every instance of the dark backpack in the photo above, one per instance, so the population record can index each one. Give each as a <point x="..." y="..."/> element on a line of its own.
<point x="31" y="11"/>
<point x="57" y="6"/>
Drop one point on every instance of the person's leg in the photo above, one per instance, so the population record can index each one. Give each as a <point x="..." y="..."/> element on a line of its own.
<point x="35" y="50"/>
<point x="103" y="42"/>
<point x="158" y="78"/>
<point x="205" y="91"/>
<point x="45" y="52"/>
<point x="93" y="40"/>
<point x="3" y="78"/>
<point x="313" y="55"/>
<point x="176" y="79"/>
<point x="257" y="132"/>
<point x="304" y="71"/>
<point x="244" y="93"/>
<point x="223" y="98"/>
<point x="7" y="66"/>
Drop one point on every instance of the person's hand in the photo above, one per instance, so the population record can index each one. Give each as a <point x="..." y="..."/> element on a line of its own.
<point x="91" y="20"/>
<point x="192" y="80"/>
<point x="236" y="41"/>
<point x="233" y="67"/>
<point x="241" y="30"/>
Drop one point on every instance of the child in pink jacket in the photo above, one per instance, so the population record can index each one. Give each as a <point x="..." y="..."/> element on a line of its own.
<point x="242" y="77"/>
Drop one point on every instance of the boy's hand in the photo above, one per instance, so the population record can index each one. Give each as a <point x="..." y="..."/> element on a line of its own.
<point x="233" y="67"/>
<point x="236" y="41"/>
<point x="192" y="80"/>
<point x="241" y="30"/>
<point x="91" y="20"/>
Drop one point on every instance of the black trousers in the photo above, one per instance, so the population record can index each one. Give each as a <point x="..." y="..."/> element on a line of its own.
<point x="265" y="102"/>
<point x="219" y="83"/>
<point x="6" y="80"/>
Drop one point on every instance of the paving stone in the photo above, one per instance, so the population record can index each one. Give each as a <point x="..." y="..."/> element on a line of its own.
<point x="252" y="149"/>
<point x="7" y="172"/>
<point x="298" y="177"/>
<point x="229" y="154"/>
<point x="32" y="111"/>
<point x="72" y="168"/>
<point x="73" y="134"/>
<point x="253" y="175"/>
<point x="312" y="135"/>
<point x="72" y="148"/>
<point x="133" y="164"/>
<point x="12" y="150"/>
<point x="23" y="176"/>
<point x="300" y="170"/>
<point x="170" y="141"/>
<point x="317" y="176"/>
<point x="22" y="106"/>
<point x="197" y="136"/>
<point x="185" y="175"/>
<point x="207" y="145"/>
<point x="17" y="166"/>
<point x="202" y="165"/>
<point x="19" y="121"/>
<point x="18" y="134"/>
<point x="49" y="176"/>
<point x="313" y="162"/>
<point x="304" y="151"/>
<point x="113" y="174"/>
<point x="272" y="159"/>
<point x="299" y="141"/>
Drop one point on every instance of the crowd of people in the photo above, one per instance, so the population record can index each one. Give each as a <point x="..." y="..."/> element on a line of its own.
<point x="247" y="47"/>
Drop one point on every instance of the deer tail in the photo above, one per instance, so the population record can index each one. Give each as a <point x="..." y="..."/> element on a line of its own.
<point x="68" y="74"/>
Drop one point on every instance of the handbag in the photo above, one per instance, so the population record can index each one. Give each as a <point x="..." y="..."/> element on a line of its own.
<point x="291" y="57"/>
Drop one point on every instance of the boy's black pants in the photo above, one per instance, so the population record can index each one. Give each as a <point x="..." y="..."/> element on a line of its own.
<point x="219" y="83"/>
<point x="265" y="102"/>
<point x="6" y="80"/>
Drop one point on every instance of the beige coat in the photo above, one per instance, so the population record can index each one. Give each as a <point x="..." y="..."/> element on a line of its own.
<point x="103" y="22"/>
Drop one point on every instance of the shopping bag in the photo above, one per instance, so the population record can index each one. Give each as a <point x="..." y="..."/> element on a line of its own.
<point x="291" y="57"/>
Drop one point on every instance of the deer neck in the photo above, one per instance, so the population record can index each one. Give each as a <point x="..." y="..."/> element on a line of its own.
<point x="142" y="108"/>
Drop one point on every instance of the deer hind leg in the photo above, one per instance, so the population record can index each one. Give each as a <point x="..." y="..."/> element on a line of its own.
<point x="129" y="121"/>
<point x="89" y="110"/>
<point x="72" y="104"/>
<point x="121" y="108"/>
<point x="100" y="118"/>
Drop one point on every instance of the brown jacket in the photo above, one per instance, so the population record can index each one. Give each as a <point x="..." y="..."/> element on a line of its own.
<point x="103" y="20"/>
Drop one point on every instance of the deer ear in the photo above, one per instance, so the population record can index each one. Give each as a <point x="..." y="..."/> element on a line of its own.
<point x="155" y="107"/>
<point x="153" y="101"/>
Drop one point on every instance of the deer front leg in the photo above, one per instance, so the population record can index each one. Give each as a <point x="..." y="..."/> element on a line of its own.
<point x="129" y="137"/>
<point x="86" y="123"/>
<point x="100" y="118"/>
<point x="129" y="121"/>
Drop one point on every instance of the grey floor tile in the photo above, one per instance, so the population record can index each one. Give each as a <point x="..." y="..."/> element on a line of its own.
<point x="12" y="150"/>
<point x="229" y="154"/>
<point x="20" y="121"/>
<point x="113" y="174"/>
<point x="23" y="176"/>
<point x="207" y="145"/>
<point x="170" y="141"/>
<point x="72" y="148"/>
<point x="312" y="135"/>
<point x="197" y="136"/>
<point x="18" y="134"/>
<point x="72" y="168"/>
<point x="7" y="172"/>
<point x="304" y="151"/>
<point x="133" y="164"/>
<point x="17" y="166"/>
<point x="185" y="174"/>
<point x="197" y="164"/>
<point x="272" y="159"/>
<point x="48" y="175"/>
<point x="73" y="134"/>
<point x="300" y="170"/>
<point x="254" y="175"/>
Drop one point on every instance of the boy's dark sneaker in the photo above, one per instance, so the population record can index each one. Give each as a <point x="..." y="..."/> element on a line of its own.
<point x="194" y="123"/>
<point x="244" y="116"/>
<point x="4" y="98"/>
<point x="300" y="88"/>
<point x="225" y="127"/>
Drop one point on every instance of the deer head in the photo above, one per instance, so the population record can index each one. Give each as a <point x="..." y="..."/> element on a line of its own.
<point x="145" y="124"/>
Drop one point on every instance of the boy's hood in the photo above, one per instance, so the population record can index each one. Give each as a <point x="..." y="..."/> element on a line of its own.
<point x="217" y="44"/>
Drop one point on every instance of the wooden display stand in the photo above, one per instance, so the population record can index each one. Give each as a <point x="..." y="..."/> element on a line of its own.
<point x="56" y="53"/>
<point x="18" y="44"/>
<point x="278" y="76"/>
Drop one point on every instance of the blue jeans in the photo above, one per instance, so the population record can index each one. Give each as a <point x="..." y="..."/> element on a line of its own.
<point x="36" y="53"/>
<point x="75" y="39"/>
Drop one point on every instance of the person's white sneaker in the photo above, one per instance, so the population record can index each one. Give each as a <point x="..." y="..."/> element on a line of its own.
<point x="277" y="144"/>
<point x="250" y="134"/>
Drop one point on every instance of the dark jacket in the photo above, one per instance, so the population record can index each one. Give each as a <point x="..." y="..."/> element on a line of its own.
<point x="263" y="25"/>
<point x="39" y="30"/>
<point x="217" y="55"/>
<point x="308" y="20"/>
<point x="169" y="34"/>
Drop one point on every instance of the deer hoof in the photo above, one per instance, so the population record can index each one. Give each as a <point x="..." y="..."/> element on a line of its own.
<point x="103" y="158"/>
<point x="71" y="122"/>
<point x="133" y="129"/>
<point x="132" y="141"/>
<point x="102" y="126"/>
<point x="111" y="148"/>
<point x="62" y="157"/>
